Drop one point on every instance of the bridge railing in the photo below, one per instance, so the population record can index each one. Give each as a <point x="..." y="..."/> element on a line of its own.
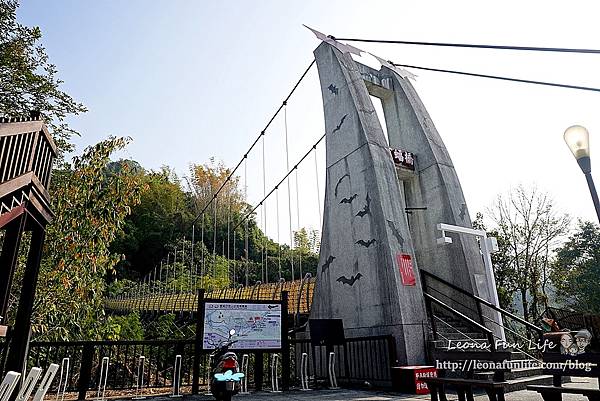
<point x="300" y="294"/>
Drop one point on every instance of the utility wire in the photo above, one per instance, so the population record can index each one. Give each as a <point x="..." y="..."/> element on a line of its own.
<point x="527" y="81"/>
<point x="474" y="46"/>
<point x="262" y="133"/>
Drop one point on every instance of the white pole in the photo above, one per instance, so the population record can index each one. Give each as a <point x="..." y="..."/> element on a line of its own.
<point x="332" y="380"/>
<point x="176" y="377"/>
<point x="64" y="366"/>
<point x="274" y="374"/>
<point x="208" y="376"/>
<point x="304" y="372"/>
<point x="244" y="383"/>
<point x="103" y="378"/>
<point x="139" y="386"/>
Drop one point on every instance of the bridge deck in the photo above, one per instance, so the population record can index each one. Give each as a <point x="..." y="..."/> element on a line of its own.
<point x="300" y="295"/>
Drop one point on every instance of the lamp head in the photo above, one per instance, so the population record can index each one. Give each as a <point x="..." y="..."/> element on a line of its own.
<point x="578" y="141"/>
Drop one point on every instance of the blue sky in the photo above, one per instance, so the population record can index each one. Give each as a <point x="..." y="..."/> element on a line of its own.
<point x="191" y="80"/>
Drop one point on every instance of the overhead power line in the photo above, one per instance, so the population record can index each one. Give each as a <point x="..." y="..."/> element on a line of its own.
<point x="527" y="81"/>
<point x="475" y="46"/>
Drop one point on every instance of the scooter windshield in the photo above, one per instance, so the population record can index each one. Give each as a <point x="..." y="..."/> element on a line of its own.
<point x="229" y="376"/>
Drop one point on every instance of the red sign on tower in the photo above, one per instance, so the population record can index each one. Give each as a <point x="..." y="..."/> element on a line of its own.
<point x="406" y="269"/>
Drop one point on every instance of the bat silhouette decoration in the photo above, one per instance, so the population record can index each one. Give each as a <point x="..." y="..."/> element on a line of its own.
<point x="327" y="263"/>
<point x="333" y="89"/>
<point x="349" y="200"/>
<point x="337" y="128"/>
<point x="395" y="232"/>
<point x="367" y="209"/>
<point x="366" y="244"/>
<point x="350" y="281"/>
<point x="463" y="211"/>
<point x="339" y="182"/>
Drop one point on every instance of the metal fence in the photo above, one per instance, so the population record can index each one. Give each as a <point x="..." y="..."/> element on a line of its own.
<point x="359" y="360"/>
<point x="85" y="359"/>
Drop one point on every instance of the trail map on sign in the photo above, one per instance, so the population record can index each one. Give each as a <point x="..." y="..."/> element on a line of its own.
<point x="257" y="326"/>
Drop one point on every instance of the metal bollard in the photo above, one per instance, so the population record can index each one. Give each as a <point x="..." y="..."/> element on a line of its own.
<point x="139" y="385"/>
<point x="8" y="385"/>
<point x="29" y="384"/>
<point x="177" y="377"/>
<point x="244" y="370"/>
<point x="46" y="382"/>
<point x="64" y="373"/>
<point x="274" y="376"/>
<point x="103" y="374"/>
<point x="332" y="379"/>
<point x="304" y="372"/>
<point x="208" y="378"/>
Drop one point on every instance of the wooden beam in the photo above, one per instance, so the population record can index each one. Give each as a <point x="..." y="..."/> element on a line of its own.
<point x="10" y="216"/>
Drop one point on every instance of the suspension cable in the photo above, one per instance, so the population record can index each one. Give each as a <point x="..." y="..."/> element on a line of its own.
<point x="287" y="166"/>
<point x="167" y="283"/>
<point x="262" y="133"/>
<point x="246" y="221"/>
<point x="160" y="289"/>
<point x="527" y="81"/>
<point x="228" y="226"/>
<point x="182" y="265"/>
<point x="193" y="272"/>
<point x="278" y="238"/>
<point x="234" y="260"/>
<point x="474" y="46"/>
<point x="298" y="223"/>
<point x="214" y="261"/>
<point x="317" y="182"/>
<point x="202" y="282"/>
<point x="247" y="215"/>
<point x="263" y="215"/>
<point x="175" y="270"/>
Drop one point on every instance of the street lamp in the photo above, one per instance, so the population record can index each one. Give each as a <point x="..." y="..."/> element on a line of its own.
<point x="578" y="141"/>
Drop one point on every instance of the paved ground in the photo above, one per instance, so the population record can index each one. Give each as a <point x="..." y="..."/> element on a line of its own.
<point x="357" y="395"/>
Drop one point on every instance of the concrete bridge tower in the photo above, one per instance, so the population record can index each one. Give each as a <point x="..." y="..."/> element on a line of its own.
<point x="368" y="273"/>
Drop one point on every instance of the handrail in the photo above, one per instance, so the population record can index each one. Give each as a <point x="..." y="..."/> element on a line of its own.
<point x="489" y="333"/>
<point x="452" y="327"/>
<point x="483" y="301"/>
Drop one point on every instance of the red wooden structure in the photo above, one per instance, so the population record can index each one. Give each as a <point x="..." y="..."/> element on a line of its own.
<point x="26" y="155"/>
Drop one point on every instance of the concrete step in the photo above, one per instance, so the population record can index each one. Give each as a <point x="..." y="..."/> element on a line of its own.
<point x="511" y="375"/>
<point x="522" y="382"/>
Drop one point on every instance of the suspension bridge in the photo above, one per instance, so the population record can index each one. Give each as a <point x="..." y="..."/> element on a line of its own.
<point x="300" y="295"/>
<point x="401" y="292"/>
<point x="386" y="191"/>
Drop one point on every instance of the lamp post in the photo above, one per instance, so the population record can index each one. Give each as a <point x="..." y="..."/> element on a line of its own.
<point x="578" y="141"/>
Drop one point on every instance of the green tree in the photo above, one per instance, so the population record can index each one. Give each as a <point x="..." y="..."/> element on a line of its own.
<point x="29" y="80"/>
<point x="91" y="207"/>
<point x="504" y="269"/>
<point x="128" y="327"/>
<point x="576" y="270"/>
<point x="528" y="220"/>
<point x="162" y="215"/>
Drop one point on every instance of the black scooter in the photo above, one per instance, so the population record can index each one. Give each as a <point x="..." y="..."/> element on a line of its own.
<point x="225" y="375"/>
